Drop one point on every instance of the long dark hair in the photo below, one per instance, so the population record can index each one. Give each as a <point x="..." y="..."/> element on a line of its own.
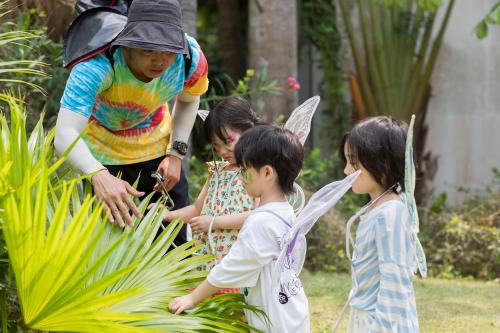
<point x="233" y="112"/>
<point x="378" y="144"/>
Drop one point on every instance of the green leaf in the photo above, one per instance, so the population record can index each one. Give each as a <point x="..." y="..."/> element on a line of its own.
<point x="74" y="271"/>
<point x="481" y="29"/>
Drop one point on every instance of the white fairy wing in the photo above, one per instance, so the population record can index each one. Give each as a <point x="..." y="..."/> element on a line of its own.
<point x="409" y="198"/>
<point x="300" y="119"/>
<point x="203" y="114"/>
<point x="293" y="243"/>
<point x="300" y="124"/>
<point x="297" y="199"/>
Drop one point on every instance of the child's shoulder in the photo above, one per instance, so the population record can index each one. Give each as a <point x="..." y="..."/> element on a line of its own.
<point x="388" y="213"/>
<point x="273" y="215"/>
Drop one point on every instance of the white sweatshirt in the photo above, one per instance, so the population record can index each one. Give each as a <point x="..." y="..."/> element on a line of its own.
<point x="250" y="265"/>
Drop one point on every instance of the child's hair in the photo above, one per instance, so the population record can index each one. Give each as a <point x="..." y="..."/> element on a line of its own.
<point x="233" y="112"/>
<point x="274" y="146"/>
<point x="378" y="144"/>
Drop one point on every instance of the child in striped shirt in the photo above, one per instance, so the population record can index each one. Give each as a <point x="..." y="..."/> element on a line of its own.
<point x="383" y="256"/>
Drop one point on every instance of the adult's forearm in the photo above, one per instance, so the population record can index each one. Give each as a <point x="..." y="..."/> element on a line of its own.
<point x="184" y="116"/>
<point x="68" y="128"/>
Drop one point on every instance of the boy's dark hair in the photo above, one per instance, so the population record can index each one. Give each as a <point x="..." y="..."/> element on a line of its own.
<point x="274" y="146"/>
<point x="233" y="112"/>
<point x="378" y="144"/>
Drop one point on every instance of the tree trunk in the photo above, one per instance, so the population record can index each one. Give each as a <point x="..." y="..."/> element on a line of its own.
<point x="232" y="37"/>
<point x="58" y="14"/>
<point x="189" y="9"/>
<point x="273" y="47"/>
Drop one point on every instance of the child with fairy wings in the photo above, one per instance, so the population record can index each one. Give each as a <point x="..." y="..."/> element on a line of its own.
<point x="222" y="206"/>
<point x="386" y="251"/>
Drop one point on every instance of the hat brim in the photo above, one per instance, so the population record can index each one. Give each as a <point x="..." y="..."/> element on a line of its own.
<point x="152" y="35"/>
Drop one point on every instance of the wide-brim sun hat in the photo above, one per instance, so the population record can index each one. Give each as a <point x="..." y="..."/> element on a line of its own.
<point x="154" y="25"/>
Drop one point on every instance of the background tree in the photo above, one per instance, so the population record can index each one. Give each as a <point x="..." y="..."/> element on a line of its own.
<point x="273" y="47"/>
<point x="232" y="36"/>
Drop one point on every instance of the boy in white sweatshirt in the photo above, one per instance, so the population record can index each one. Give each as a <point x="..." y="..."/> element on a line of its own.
<point x="270" y="158"/>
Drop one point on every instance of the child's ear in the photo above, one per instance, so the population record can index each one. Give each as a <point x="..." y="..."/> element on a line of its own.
<point x="269" y="171"/>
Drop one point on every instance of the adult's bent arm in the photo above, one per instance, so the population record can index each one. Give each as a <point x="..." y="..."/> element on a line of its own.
<point x="112" y="191"/>
<point x="184" y="116"/>
<point x="68" y="127"/>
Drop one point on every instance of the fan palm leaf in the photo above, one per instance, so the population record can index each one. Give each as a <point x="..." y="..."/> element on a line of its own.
<point x="74" y="271"/>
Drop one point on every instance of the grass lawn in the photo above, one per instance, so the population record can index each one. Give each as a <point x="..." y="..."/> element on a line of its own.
<point x="444" y="306"/>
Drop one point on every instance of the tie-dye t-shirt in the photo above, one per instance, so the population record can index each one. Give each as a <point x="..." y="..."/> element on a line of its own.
<point x="129" y="120"/>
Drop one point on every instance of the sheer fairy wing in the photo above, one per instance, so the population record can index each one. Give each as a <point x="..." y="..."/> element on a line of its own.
<point x="293" y="243"/>
<point x="300" y="124"/>
<point x="297" y="199"/>
<point x="410" y="177"/>
<point x="203" y="114"/>
<point x="409" y="197"/>
<point x="300" y="119"/>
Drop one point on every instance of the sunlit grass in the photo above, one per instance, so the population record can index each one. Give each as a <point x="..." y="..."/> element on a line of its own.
<point x="444" y="306"/>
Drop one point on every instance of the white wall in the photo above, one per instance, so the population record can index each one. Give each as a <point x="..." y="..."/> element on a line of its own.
<point x="464" y="110"/>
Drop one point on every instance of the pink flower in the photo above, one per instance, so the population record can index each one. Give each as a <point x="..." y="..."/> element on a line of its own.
<point x="293" y="84"/>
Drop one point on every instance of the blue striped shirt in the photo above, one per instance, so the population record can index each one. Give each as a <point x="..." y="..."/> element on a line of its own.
<point x="382" y="268"/>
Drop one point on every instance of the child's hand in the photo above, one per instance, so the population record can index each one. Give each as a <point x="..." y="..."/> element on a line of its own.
<point x="169" y="216"/>
<point x="200" y="223"/>
<point x="180" y="304"/>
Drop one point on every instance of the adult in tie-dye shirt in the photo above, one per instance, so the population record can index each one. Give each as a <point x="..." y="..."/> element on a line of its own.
<point x="124" y="105"/>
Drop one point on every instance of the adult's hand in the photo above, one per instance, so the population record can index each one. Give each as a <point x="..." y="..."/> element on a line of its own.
<point x="115" y="192"/>
<point x="170" y="169"/>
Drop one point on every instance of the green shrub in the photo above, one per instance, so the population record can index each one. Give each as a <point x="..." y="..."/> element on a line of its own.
<point x="465" y="240"/>
<point x="326" y="240"/>
<point x="326" y="245"/>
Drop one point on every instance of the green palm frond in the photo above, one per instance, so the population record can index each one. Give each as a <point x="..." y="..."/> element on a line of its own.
<point x="74" y="271"/>
<point x="13" y="67"/>
<point x="395" y="52"/>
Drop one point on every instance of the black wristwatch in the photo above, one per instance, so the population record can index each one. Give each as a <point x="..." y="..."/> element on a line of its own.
<point x="180" y="147"/>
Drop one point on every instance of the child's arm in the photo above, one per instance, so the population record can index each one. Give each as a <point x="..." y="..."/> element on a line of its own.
<point x="180" y="304"/>
<point x="230" y="221"/>
<point x="202" y="223"/>
<point x="241" y="267"/>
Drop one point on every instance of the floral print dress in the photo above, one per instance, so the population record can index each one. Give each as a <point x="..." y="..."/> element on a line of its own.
<point x="225" y="196"/>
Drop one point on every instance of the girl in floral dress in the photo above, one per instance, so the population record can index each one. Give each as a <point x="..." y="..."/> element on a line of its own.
<point x="218" y="213"/>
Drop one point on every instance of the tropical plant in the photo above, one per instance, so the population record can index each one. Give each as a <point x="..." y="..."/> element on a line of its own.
<point x="35" y="51"/>
<point x="397" y="53"/>
<point x="394" y="55"/>
<point x="10" y="38"/>
<point x="250" y="85"/>
<point x="74" y="271"/>
<point x="493" y="18"/>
